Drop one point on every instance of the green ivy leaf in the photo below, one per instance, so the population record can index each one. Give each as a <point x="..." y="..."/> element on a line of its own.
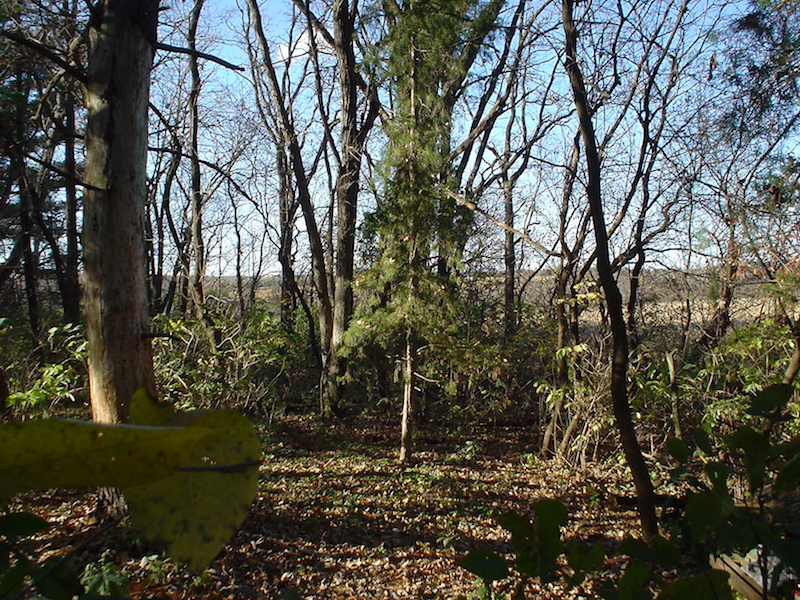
<point x="520" y="529"/>
<point x="551" y="511"/>
<point x="550" y="515"/>
<point x="772" y="399"/>
<point x="707" y="512"/>
<point x="523" y="539"/>
<point x="14" y="578"/>
<point x="5" y="559"/>
<point x="789" y="475"/>
<point x="195" y="512"/>
<point x="756" y="447"/>
<point x="718" y="476"/>
<point x="633" y="582"/>
<point x="606" y="590"/>
<point x="703" y="440"/>
<point x="660" y="551"/>
<point x="485" y="564"/>
<point x="667" y="553"/>
<point x="583" y="560"/>
<point x="56" y="580"/>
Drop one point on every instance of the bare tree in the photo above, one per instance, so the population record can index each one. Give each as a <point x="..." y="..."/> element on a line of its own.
<point x="613" y="298"/>
<point x="290" y="140"/>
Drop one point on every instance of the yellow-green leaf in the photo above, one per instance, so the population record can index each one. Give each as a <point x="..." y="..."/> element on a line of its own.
<point x="50" y="453"/>
<point x="196" y="511"/>
<point x="146" y="411"/>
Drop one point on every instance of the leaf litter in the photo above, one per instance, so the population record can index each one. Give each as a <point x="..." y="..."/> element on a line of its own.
<point x="336" y="517"/>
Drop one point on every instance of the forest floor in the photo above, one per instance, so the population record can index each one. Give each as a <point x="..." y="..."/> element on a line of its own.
<point x="337" y="517"/>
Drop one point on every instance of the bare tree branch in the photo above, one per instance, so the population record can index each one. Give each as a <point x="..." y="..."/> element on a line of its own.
<point x="42" y="50"/>
<point x="198" y="54"/>
<point x="524" y="236"/>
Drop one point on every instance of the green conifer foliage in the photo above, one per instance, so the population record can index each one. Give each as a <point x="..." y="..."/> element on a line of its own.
<point x="430" y="47"/>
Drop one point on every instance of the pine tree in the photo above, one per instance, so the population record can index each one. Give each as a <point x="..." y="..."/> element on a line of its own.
<point x="431" y="46"/>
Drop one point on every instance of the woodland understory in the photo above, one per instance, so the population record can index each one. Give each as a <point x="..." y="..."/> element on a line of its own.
<point x="491" y="297"/>
<point x="336" y="517"/>
<point x="336" y="514"/>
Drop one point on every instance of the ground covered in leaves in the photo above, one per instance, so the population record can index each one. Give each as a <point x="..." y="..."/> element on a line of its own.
<point x="337" y="517"/>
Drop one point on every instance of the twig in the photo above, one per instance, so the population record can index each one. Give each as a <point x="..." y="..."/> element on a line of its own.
<point x="524" y="236"/>
<point x="151" y="336"/>
<point x="42" y="50"/>
<point x="68" y="176"/>
<point x="211" y="57"/>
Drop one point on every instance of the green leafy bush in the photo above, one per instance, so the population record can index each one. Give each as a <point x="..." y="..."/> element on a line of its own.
<point x="54" y="374"/>
<point x="717" y="520"/>
<point x="104" y="577"/>
<point x="744" y="363"/>
<point x="259" y="368"/>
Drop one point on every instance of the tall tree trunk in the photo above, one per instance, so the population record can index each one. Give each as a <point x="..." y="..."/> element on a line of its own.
<point x="721" y="321"/>
<point x="287" y="209"/>
<point x="633" y="296"/>
<point x="291" y="143"/>
<point x="30" y="263"/>
<point x="794" y="363"/>
<point x="12" y="262"/>
<point x="159" y="299"/>
<point x="347" y="187"/>
<point x="198" y="201"/>
<point x="613" y="298"/>
<point x="5" y="409"/>
<point x="240" y="295"/>
<point x="510" y="261"/>
<point x="122" y="37"/>
<point x="36" y="195"/>
<point x="71" y="294"/>
<point x="563" y="293"/>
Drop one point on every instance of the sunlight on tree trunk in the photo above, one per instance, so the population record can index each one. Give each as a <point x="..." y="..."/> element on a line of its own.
<point x="121" y="46"/>
<point x="407" y="417"/>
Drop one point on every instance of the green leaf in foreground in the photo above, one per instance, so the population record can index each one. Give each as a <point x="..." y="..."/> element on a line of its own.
<point x="550" y="515"/>
<point x="485" y="564"/>
<point x="583" y="561"/>
<point x="703" y="441"/>
<point x="195" y="511"/>
<point x="633" y="582"/>
<point x="789" y="475"/>
<point x="56" y="580"/>
<point x="21" y="524"/>
<point x="50" y="453"/>
<point x="770" y="400"/>
<point x="709" y="584"/>
<point x="678" y="449"/>
<point x="659" y="551"/>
